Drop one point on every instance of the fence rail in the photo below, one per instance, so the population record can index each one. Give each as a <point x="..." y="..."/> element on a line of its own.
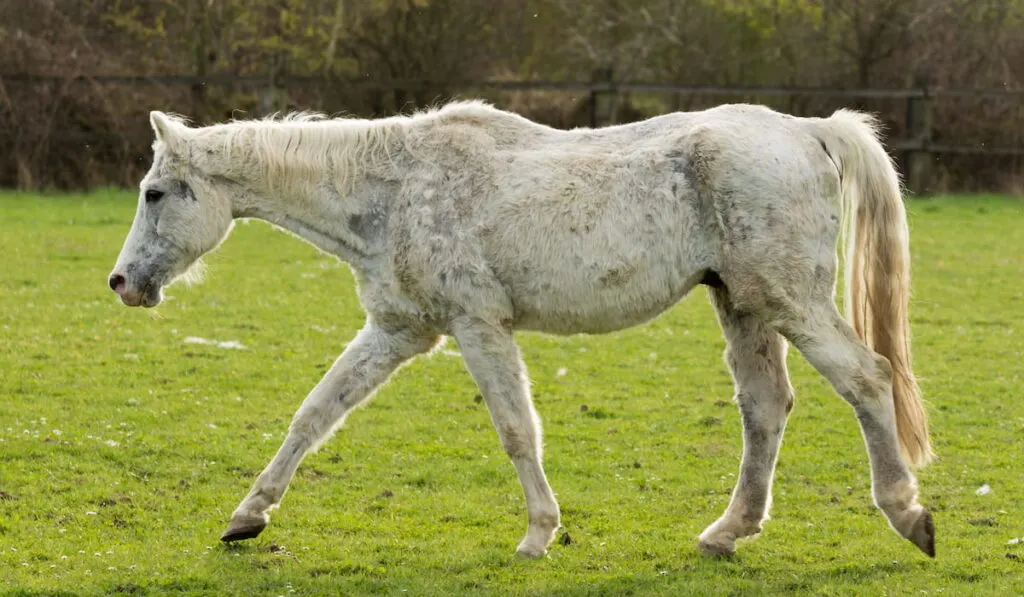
<point x="532" y="85"/>
<point x="918" y="148"/>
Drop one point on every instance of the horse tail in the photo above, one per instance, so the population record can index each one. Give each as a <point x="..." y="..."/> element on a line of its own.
<point x="878" y="264"/>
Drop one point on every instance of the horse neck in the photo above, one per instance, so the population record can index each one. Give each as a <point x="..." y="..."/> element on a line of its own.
<point x="335" y="199"/>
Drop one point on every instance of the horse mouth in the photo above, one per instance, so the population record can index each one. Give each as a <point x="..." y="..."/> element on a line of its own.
<point x="131" y="300"/>
<point x="149" y="296"/>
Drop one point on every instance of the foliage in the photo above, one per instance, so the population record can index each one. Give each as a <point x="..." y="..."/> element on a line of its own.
<point x="124" y="448"/>
<point x="379" y="57"/>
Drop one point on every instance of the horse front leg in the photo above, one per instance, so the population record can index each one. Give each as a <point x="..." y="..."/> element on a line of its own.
<point x="366" y="363"/>
<point x="493" y="360"/>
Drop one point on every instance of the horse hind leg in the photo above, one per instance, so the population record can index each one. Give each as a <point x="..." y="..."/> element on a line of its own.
<point x="756" y="356"/>
<point x="864" y="379"/>
<point x="786" y="274"/>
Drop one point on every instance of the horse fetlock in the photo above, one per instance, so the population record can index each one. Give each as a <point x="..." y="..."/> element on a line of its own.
<point x="899" y="504"/>
<point x="530" y="551"/>
<point x="539" y="535"/>
<point x="532" y="547"/>
<point x="896" y="495"/>
<point x="262" y="499"/>
<point x="536" y="542"/>
<point x="719" y="539"/>
<point x="717" y="544"/>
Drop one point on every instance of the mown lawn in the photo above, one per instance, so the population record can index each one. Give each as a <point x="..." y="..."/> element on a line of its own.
<point x="124" y="447"/>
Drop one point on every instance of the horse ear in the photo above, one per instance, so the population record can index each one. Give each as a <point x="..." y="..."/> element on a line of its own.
<point x="161" y="125"/>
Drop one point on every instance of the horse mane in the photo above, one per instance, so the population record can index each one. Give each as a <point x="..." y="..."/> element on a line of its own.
<point x="295" y="149"/>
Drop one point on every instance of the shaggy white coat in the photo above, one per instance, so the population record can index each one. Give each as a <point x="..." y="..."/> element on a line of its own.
<point x="472" y="222"/>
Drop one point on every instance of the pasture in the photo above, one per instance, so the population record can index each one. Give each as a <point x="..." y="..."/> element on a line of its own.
<point x="126" y="438"/>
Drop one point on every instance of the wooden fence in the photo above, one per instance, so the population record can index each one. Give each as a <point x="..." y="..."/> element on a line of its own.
<point x="917" y="148"/>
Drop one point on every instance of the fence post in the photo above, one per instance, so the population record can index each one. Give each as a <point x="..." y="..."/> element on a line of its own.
<point x="602" y="98"/>
<point x="271" y="99"/>
<point x="919" y="159"/>
<point x="268" y="96"/>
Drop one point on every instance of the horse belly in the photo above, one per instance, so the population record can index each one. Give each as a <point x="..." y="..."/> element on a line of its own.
<point x="594" y="303"/>
<point x="617" y="275"/>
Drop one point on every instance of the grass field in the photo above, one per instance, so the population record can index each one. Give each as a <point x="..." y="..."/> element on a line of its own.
<point x="124" y="447"/>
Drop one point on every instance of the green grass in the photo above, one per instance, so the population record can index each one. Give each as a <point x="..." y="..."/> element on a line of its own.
<point x="123" y="449"/>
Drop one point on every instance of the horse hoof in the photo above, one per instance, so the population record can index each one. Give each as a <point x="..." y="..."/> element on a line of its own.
<point x="243" y="529"/>
<point x="923" y="534"/>
<point x="717" y="547"/>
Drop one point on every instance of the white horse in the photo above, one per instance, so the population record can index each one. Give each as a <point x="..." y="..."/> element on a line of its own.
<point x="473" y="222"/>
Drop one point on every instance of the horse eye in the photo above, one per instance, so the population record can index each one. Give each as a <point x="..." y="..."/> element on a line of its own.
<point x="153" y="195"/>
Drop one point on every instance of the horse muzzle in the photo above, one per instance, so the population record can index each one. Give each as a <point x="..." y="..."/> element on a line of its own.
<point x="132" y="295"/>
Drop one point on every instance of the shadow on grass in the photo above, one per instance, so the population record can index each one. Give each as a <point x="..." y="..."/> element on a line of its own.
<point x="733" y="577"/>
<point x="259" y="570"/>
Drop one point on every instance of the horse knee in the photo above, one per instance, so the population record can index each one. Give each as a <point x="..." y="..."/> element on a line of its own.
<point x="769" y="402"/>
<point x="517" y="442"/>
<point x="308" y="424"/>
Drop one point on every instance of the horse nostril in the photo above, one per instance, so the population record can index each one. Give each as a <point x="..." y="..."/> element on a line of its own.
<point x="115" y="281"/>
